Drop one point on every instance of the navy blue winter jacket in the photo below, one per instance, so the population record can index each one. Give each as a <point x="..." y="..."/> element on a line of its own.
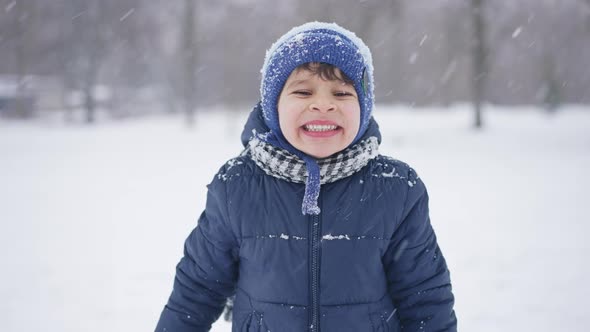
<point x="369" y="262"/>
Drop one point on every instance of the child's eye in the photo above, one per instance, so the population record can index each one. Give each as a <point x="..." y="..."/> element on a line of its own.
<point x="342" y="94"/>
<point x="302" y="92"/>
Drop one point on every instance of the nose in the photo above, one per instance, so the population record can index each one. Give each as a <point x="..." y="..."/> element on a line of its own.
<point x="323" y="105"/>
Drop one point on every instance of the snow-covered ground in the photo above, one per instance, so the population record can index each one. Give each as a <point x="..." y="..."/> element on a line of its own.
<point x="93" y="219"/>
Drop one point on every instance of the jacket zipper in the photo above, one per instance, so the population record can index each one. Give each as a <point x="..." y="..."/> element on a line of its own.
<point x="315" y="229"/>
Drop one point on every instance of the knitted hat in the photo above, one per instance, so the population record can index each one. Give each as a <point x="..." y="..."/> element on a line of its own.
<point x="317" y="42"/>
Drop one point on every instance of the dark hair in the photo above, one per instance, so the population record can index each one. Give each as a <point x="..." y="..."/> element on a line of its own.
<point x="326" y="72"/>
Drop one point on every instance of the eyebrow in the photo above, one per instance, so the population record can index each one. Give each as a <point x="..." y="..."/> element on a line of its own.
<point x="304" y="80"/>
<point x="296" y="82"/>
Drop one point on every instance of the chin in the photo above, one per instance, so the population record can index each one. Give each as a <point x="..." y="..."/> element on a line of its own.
<point x="321" y="154"/>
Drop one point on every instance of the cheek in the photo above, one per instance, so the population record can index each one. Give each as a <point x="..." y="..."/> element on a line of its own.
<point x="284" y="125"/>
<point x="353" y="117"/>
<point x="286" y="118"/>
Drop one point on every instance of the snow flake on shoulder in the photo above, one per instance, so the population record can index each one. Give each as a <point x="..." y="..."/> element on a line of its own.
<point x="387" y="167"/>
<point x="232" y="168"/>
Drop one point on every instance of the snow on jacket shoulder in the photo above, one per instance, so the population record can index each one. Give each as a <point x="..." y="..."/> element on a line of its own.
<point x="369" y="262"/>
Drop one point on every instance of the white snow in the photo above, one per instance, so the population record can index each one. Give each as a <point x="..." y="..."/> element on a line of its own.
<point x="423" y="40"/>
<point x="451" y="68"/>
<point x="78" y="15"/>
<point x="127" y="14"/>
<point x="330" y="237"/>
<point x="283" y="236"/>
<point x="517" y="32"/>
<point x="391" y="174"/>
<point x="9" y="6"/>
<point x="93" y="219"/>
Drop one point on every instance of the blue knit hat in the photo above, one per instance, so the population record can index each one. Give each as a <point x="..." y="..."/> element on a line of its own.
<point x="317" y="42"/>
<point x="314" y="42"/>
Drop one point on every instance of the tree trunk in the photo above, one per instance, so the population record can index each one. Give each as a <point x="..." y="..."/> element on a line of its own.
<point x="189" y="58"/>
<point x="89" y="104"/>
<point x="95" y="12"/>
<point x="479" y="60"/>
<point x="22" y="24"/>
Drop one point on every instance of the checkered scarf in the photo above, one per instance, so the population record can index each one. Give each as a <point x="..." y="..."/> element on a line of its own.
<point x="289" y="167"/>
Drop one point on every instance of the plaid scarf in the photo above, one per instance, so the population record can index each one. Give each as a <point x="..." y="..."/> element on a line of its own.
<point x="284" y="165"/>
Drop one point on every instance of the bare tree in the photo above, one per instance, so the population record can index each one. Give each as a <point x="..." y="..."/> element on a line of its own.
<point x="479" y="54"/>
<point x="551" y="94"/>
<point x="22" y="25"/>
<point x="189" y="61"/>
<point x="94" y="40"/>
<point x="88" y="39"/>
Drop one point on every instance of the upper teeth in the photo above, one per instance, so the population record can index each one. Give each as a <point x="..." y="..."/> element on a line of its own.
<point x="320" y="127"/>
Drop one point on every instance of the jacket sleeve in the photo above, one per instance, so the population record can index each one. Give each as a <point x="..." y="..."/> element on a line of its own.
<point x="418" y="279"/>
<point x="206" y="275"/>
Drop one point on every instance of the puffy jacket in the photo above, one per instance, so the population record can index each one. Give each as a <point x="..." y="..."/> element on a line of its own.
<point x="369" y="262"/>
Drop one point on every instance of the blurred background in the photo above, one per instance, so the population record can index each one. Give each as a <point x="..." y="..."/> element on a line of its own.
<point x="131" y="57"/>
<point x="115" y="114"/>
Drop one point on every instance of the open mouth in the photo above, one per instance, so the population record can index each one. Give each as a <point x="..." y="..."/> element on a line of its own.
<point x="319" y="128"/>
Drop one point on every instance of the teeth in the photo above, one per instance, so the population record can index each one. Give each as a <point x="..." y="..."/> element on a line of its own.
<point x="320" y="127"/>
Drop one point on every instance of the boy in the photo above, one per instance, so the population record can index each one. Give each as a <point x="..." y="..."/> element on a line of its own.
<point x="310" y="228"/>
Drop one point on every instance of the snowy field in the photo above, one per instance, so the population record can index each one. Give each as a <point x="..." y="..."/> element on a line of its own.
<point x="93" y="218"/>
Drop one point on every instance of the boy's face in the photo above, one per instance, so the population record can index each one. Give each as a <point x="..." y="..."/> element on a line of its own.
<point x="317" y="116"/>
